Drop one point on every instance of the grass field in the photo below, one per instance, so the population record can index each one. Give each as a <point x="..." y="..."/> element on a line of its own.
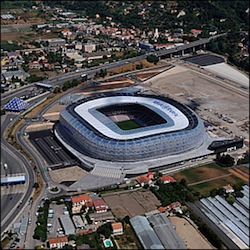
<point x="127" y="125"/>
<point x="205" y="187"/>
<point x="5" y="45"/>
<point x="211" y="176"/>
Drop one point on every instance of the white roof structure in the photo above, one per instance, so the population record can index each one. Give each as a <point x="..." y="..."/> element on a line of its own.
<point x="165" y="110"/>
<point x="229" y="72"/>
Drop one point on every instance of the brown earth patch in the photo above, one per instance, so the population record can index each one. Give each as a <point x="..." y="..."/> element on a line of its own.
<point x="189" y="234"/>
<point x="130" y="67"/>
<point x="200" y="173"/>
<point x="128" y="240"/>
<point x="60" y="175"/>
<point x="239" y="174"/>
<point x="144" y="76"/>
<point x="131" y="203"/>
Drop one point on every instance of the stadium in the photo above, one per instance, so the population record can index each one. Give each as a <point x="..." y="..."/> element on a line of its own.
<point x="128" y="128"/>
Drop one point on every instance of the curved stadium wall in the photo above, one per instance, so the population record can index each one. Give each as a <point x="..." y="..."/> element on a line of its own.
<point x="90" y="132"/>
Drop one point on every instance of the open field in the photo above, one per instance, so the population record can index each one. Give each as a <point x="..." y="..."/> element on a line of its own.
<point x="131" y="203"/>
<point x="205" y="178"/>
<point x="25" y="35"/>
<point x="143" y="76"/>
<point x="131" y="66"/>
<point x="205" y="187"/>
<point x="189" y="85"/>
<point x="188" y="233"/>
<point x="62" y="175"/>
<point x="241" y="172"/>
<point x="128" y="239"/>
<point x="201" y="173"/>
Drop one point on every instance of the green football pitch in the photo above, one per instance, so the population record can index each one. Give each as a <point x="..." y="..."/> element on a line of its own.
<point x="127" y="125"/>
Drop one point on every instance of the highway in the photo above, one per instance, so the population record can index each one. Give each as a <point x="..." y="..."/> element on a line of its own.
<point x="13" y="198"/>
<point x="64" y="77"/>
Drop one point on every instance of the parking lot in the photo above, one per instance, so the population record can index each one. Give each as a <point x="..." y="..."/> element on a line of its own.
<point x="51" y="150"/>
<point x="54" y="227"/>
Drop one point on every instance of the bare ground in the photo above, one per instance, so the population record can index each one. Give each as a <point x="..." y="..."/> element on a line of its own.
<point x="191" y="237"/>
<point x="61" y="175"/>
<point x="132" y="203"/>
<point x="186" y="86"/>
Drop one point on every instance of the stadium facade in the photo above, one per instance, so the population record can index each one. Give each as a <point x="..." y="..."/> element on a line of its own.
<point x="124" y="127"/>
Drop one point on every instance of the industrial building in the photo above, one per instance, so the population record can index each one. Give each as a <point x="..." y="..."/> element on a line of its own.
<point x="166" y="232"/>
<point x="145" y="233"/>
<point x="67" y="224"/>
<point x="233" y="220"/>
<point x="156" y="232"/>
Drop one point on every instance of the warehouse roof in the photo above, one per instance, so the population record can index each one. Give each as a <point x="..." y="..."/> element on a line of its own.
<point x="145" y="233"/>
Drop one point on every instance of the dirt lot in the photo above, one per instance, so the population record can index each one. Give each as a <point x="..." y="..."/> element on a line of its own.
<point x="185" y="85"/>
<point x="241" y="172"/>
<point x="143" y="76"/>
<point x="61" y="175"/>
<point x="132" y="203"/>
<point x="189" y="234"/>
<point x="130" y="67"/>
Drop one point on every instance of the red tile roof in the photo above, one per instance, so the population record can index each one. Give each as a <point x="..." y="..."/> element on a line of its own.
<point x="175" y="204"/>
<point x="99" y="203"/>
<point x="142" y="178"/>
<point x="58" y="240"/>
<point x="167" y="178"/>
<point x="161" y="209"/>
<point x="116" y="225"/>
<point x="80" y="198"/>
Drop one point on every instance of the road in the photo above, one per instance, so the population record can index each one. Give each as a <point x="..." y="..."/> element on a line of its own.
<point x="64" y="77"/>
<point x="11" y="197"/>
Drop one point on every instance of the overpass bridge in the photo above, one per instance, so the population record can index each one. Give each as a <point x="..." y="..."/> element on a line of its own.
<point x="182" y="48"/>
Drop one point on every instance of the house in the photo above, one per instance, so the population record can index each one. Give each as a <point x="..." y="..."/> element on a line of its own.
<point x="34" y="65"/>
<point x="89" y="47"/>
<point x="58" y="242"/>
<point x="176" y="207"/>
<point x="56" y="42"/>
<point x="117" y="228"/>
<point x="167" y="179"/>
<point x="228" y="189"/>
<point x="196" y="32"/>
<point x="66" y="32"/>
<point x="79" y="201"/>
<point x="161" y="209"/>
<point x="100" y="206"/>
<point x="19" y="74"/>
<point x="145" y="179"/>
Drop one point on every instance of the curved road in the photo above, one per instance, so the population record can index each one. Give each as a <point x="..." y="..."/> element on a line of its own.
<point x="17" y="163"/>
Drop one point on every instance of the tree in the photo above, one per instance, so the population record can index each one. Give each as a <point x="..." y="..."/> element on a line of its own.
<point x="105" y="229"/>
<point x="57" y="89"/>
<point x="225" y="160"/>
<point x="2" y="112"/>
<point x="153" y="59"/>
